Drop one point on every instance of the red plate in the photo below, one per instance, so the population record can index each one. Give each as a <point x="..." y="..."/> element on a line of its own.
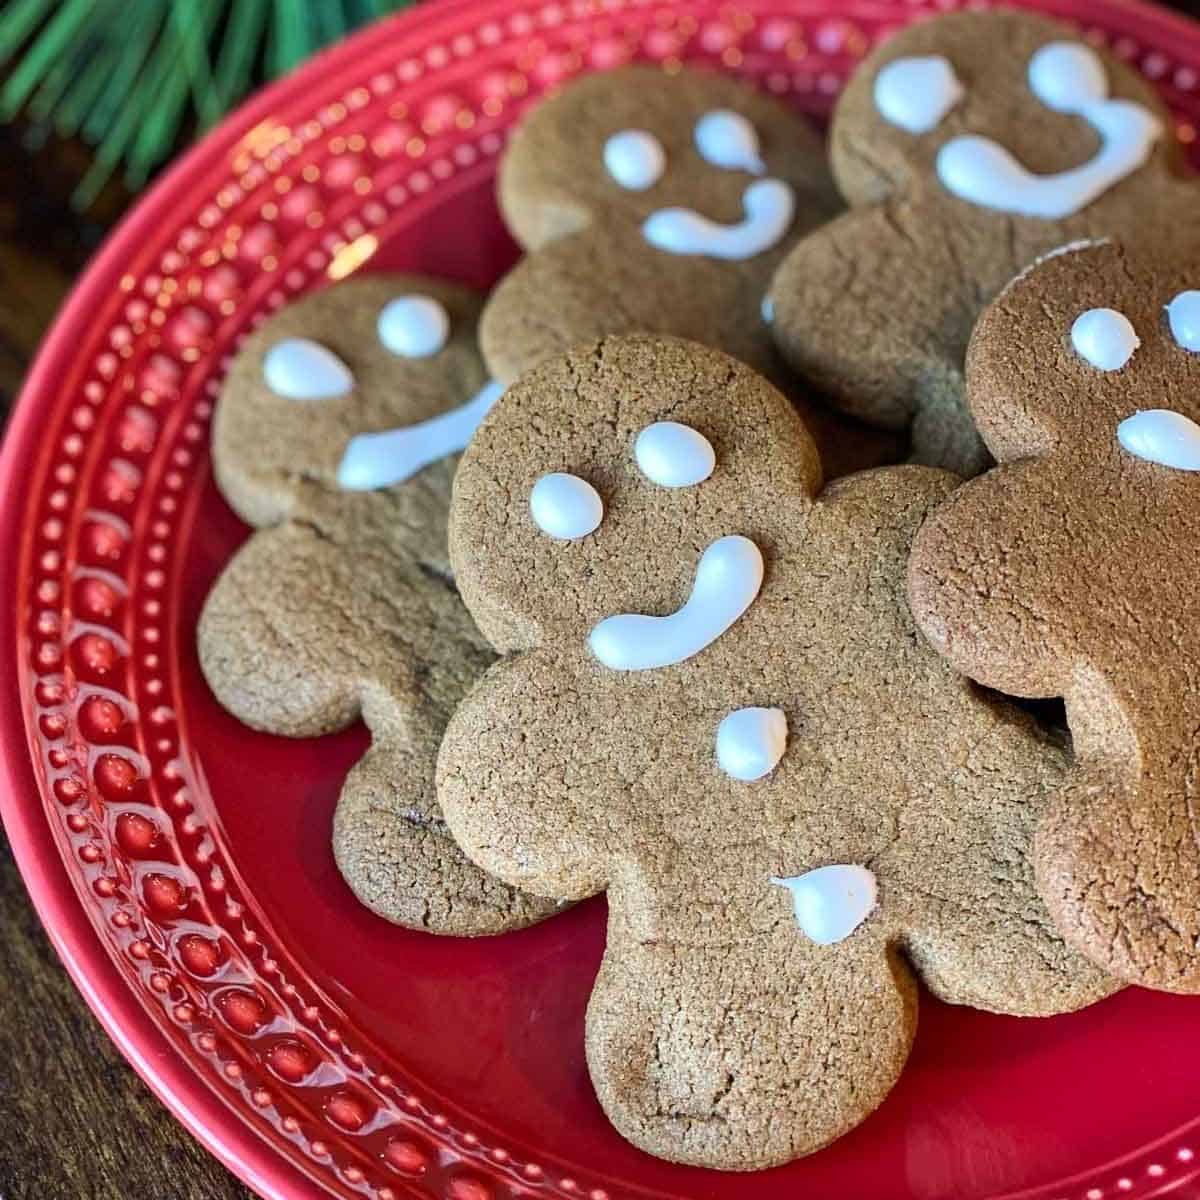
<point x="182" y="863"/>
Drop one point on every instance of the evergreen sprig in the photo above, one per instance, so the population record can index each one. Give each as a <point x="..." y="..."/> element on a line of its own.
<point x="131" y="77"/>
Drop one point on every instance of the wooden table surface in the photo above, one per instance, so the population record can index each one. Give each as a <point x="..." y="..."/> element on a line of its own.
<point x="75" y="1121"/>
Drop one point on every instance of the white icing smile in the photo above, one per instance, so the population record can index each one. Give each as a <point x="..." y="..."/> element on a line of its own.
<point x="1067" y="78"/>
<point x="769" y="205"/>
<point x="1162" y="436"/>
<point x="831" y="902"/>
<point x="376" y="460"/>
<point x="728" y="578"/>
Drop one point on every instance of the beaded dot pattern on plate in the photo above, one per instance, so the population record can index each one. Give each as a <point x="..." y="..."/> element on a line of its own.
<point x="302" y="202"/>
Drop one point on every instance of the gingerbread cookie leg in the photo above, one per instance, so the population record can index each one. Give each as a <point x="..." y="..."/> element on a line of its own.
<point x="747" y="1055"/>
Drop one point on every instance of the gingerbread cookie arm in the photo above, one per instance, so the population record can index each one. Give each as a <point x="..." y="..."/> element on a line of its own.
<point x="983" y="589"/>
<point x="744" y="1056"/>
<point x="507" y="786"/>
<point x="868" y="332"/>
<point x="974" y="925"/>
<point x="293" y="640"/>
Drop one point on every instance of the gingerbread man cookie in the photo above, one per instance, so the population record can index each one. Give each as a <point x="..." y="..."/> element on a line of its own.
<point x="342" y="603"/>
<point x="1066" y="571"/>
<point x="660" y="202"/>
<point x="718" y="710"/>
<point x="966" y="146"/>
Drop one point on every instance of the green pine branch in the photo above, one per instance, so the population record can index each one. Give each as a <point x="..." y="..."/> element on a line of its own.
<point x="134" y="77"/>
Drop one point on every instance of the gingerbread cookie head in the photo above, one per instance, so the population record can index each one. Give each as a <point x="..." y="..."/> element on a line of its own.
<point x="967" y="146"/>
<point x="309" y="389"/>
<point x="659" y="202"/>
<point x="718" y="711"/>
<point x="1064" y="572"/>
<point x="343" y="604"/>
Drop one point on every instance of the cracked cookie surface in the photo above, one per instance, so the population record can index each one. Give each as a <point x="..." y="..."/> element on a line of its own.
<point x="720" y="1031"/>
<point x="342" y="604"/>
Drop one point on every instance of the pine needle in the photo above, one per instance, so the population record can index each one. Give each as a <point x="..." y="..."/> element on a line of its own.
<point x="132" y="77"/>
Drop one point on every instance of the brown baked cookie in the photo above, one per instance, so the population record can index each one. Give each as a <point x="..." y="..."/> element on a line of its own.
<point x="793" y="804"/>
<point x="947" y="154"/>
<point x="342" y="603"/>
<point x="1067" y="571"/>
<point x="661" y="202"/>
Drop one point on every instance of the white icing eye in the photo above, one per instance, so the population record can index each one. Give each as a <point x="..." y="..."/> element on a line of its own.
<point x="831" y="902"/>
<point x="1067" y="77"/>
<point x="917" y="93"/>
<point x="1164" y="437"/>
<point x="728" y="140"/>
<point x="1183" y="314"/>
<point x="1105" y="338"/>
<point x="635" y="159"/>
<point x="414" y="326"/>
<point x="565" y="506"/>
<point x="751" y="741"/>
<point x="674" y="455"/>
<point x="301" y="369"/>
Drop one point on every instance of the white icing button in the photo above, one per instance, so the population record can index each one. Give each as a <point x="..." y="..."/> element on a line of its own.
<point x="1067" y="78"/>
<point x="832" y="902"/>
<point x="565" y="506"/>
<point x="769" y="205"/>
<point x="635" y="159"/>
<point x="751" y="741"/>
<point x="916" y="93"/>
<point x="728" y="577"/>
<point x="302" y="369"/>
<point x="726" y="139"/>
<point x="414" y="326"/>
<point x="1164" y="437"/>
<point x="1105" y="338"/>
<point x="768" y="311"/>
<point x="1183" y="314"/>
<point x="376" y="460"/>
<point x="674" y="455"/>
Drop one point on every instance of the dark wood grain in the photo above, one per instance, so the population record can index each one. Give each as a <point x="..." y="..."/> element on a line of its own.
<point x="75" y="1121"/>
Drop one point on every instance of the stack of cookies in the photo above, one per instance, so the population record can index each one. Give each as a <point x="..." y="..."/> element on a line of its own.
<point x="572" y="556"/>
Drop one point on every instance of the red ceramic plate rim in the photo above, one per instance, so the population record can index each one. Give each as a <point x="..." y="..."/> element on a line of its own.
<point x="70" y="929"/>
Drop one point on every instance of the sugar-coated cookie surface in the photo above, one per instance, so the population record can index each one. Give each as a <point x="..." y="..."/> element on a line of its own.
<point x="342" y="602"/>
<point x="1066" y="570"/>
<point x="966" y="146"/>
<point x="717" y="709"/>
<point x="659" y="202"/>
